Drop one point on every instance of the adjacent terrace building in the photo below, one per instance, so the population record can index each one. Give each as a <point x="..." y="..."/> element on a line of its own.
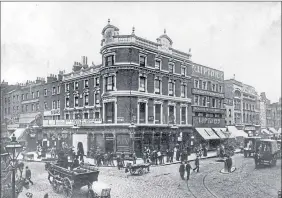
<point x="139" y="96"/>
<point x="208" y="104"/>
<point x="245" y="104"/>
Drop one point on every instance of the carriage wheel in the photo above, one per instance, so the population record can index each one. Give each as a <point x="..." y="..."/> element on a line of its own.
<point x="67" y="187"/>
<point x="140" y="171"/>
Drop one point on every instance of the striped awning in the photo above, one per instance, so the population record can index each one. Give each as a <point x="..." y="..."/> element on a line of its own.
<point x="235" y="132"/>
<point x="207" y="133"/>
<point x="272" y="130"/>
<point x="219" y="132"/>
<point x="265" y="131"/>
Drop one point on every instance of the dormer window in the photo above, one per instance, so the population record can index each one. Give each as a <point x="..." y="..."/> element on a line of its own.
<point x="158" y="64"/>
<point x="171" y="68"/>
<point x="142" y="61"/>
<point x="109" y="60"/>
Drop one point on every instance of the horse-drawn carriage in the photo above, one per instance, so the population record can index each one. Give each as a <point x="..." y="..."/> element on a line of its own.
<point x="139" y="169"/>
<point x="267" y="152"/>
<point x="250" y="145"/>
<point x="66" y="181"/>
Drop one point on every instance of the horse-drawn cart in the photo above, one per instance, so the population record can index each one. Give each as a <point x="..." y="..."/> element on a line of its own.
<point x="65" y="180"/>
<point x="139" y="169"/>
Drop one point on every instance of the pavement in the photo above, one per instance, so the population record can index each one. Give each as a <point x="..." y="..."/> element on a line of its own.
<point x="192" y="157"/>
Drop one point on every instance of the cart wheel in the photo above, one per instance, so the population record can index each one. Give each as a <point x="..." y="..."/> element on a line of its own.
<point x="140" y="171"/>
<point x="91" y="194"/>
<point x="67" y="187"/>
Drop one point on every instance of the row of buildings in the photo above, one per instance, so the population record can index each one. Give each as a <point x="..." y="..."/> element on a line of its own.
<point x="143" y="93"/>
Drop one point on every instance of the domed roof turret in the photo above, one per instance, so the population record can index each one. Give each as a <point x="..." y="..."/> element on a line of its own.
<point x="109" y="26"/>
<point x="166" y="37"/>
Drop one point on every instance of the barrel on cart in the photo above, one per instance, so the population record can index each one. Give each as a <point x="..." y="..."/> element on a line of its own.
<point x="66" y="181"/>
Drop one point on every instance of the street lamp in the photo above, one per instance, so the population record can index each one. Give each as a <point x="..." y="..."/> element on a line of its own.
<point x="13" y="150"/>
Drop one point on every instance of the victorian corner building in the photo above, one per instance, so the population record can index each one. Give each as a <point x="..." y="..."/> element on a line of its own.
<point x="143" y="94"/>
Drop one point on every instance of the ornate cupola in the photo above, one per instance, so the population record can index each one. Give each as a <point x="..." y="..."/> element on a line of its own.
<point x="108" y="32"/>
<point x="165" y="42"/>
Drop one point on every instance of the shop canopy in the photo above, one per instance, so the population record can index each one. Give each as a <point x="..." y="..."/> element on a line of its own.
<point x="272" y="130"/>
<point x="265" y="131"/>
<point x="279" y="130"/>
<point x="235" y="132"/>
<point x="19" y="133"/>
<point x="207" y="133"/>
<point x="223" y="133"/>
<point x="27" y="118"/>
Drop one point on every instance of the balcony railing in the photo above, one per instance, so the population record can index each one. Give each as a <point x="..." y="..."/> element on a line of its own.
<point x="83" y="122"/>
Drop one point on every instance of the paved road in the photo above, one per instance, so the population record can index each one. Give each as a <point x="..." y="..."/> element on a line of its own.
<point x="164" y="182"/>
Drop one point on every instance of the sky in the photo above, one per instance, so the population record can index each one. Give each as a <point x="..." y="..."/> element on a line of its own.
<point x="241" y="38"/>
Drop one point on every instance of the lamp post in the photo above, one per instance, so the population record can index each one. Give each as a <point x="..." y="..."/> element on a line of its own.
<point x="13" y="150"/>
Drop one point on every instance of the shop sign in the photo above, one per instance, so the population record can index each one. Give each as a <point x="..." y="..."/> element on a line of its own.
<point x="120" y="119"/>
<point x="206" y="109"/>
<point x="249" y="128"/>
<point x="198" y="70"/>
<point x="207" y="122"/>
<point x="207" y="93"/>
<point x="52" y="112"/>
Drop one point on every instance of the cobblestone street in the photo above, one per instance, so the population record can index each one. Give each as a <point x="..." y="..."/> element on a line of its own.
<point x="165" y="182"/>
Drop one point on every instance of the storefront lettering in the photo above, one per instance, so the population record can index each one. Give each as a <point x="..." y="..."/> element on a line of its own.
<point x="206" y="109"/>
<point x="249" y="128"/>
<point x="207" y="72"/>
<point x="207" y="93"/>
<point x="208" y="122"/>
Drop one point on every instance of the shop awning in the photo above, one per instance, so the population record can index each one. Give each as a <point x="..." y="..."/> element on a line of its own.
<point x="219" y="132"/>
<point x="279" y="130"/>
<point x="27" y="118"/>
<point x="207" y="133"/>
<point x="272" y="130"/>
<point x="19" y="132"/>
<point x="265" y="131"/>
<point x="235" y="132"/>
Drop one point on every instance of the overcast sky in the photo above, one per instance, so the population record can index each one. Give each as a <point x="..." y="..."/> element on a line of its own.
<point x="238" y="38"/>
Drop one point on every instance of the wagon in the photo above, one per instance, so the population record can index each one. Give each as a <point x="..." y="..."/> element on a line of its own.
<point x="139" y="169"/>
<point x="268" y="152"/>
<point x="66" y="181"/>
<point x="250" y="145"/>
